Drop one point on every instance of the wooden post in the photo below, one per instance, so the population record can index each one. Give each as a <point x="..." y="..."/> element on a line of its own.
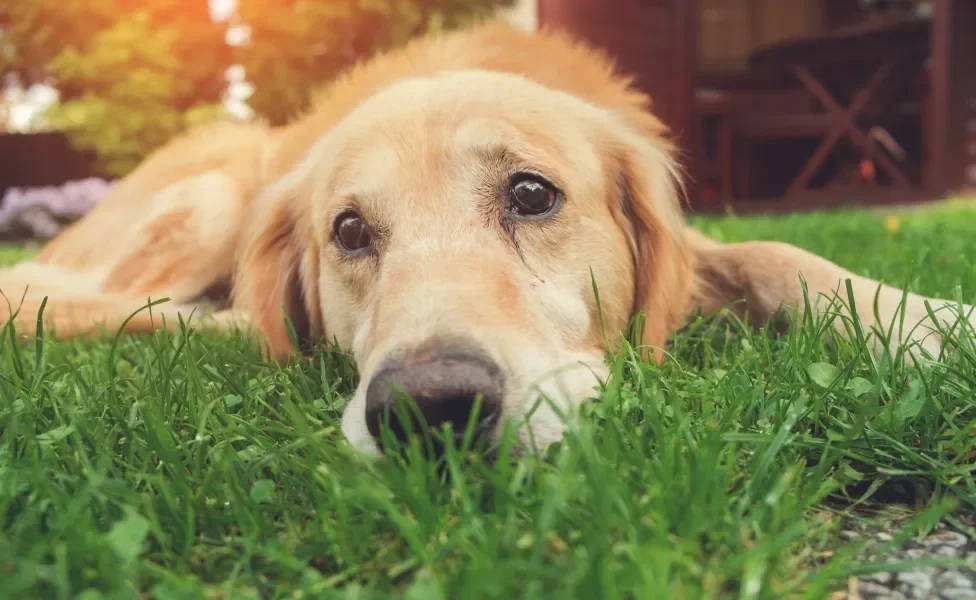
<point x="952" y="158"/>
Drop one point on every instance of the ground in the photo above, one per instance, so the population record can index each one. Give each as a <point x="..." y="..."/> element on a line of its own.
<point x="184" y="466"/>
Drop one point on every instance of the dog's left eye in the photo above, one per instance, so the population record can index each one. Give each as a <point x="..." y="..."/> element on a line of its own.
<point x="531" y="196"/>
<point x="351" y="231"/>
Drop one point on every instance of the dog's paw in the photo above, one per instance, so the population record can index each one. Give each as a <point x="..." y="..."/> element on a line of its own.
<point x="227" y="320"/>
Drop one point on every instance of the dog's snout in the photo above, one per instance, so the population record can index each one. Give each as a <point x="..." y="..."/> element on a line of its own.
<point x="445" y="382"/>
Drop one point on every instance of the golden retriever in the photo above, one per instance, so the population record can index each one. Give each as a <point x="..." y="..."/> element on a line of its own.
<point x="443" y="212"/>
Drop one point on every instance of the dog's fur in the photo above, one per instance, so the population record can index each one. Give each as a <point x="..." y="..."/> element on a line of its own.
<point x="421" y="141"/>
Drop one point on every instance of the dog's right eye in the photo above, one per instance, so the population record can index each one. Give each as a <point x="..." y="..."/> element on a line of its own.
<point x="351" y="232"/>
<point x="531" y="196"/>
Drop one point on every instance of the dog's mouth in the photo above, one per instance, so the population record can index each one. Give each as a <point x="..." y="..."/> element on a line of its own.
<point x="409" y="437"/>
<point x="216" y="297"/>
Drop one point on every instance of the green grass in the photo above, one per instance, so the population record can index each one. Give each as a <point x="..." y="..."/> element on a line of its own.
<point x="183" y="466"/>
<point x="11" y="254"/>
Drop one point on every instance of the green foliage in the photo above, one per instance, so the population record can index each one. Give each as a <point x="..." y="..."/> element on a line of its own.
<point x="34" y="32"/>
<point x="136" y="93"/>
<point x="301" y="45"/>
<point x="130" y="74"/>
<point x="12" y="254"/>
<point x="133" y="73"/>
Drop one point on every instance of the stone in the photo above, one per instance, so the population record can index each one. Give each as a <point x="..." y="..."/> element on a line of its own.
<point x="957" y="594"/>
<point x="916" y="583"/>
<point x="954" y="579"/>
<point x="870" y="589"/>
<point x="882" y="577"/>
<point x="945" y="550"/>
<point x="952" y="538"/>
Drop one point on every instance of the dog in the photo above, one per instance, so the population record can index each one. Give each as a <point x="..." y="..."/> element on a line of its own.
<point x="477" y="216"/>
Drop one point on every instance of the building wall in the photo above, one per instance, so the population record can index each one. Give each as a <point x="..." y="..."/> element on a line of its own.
<point x="971" y="146"/>
<point x="732" y="29"/>
<point x="952" y="162"/>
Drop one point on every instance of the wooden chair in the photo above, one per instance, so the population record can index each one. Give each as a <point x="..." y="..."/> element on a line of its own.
<point x="741" y="115"/>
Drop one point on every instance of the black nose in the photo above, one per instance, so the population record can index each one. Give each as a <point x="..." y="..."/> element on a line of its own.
<point x="444" y="381"/>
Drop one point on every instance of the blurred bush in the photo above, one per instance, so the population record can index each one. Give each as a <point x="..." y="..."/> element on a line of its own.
<point x="136" y="92"/>
<point x="133" y="73"/>
<point x="296" y="46"/>
<point x="130" y="73"/>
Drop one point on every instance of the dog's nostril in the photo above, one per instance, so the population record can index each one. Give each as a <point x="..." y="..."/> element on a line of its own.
<point x="445" y="385"/>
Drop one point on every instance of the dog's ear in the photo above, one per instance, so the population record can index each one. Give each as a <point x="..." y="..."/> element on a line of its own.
<point x="276" y="270"/>
<point x="646" y="202"/>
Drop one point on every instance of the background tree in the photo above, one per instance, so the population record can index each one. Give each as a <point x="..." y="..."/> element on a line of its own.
<point x="133" y="73"/>
<point x="130" y="74"/>
<point x="33" y="33"/>
<point x="296" y="46"/>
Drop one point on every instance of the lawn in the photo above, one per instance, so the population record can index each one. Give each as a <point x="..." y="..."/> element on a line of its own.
<point x="184" y="466"/>
<point x="10" y="254"/>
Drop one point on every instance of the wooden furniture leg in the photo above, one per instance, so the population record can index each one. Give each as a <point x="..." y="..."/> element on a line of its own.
<point x="844" y="122"/>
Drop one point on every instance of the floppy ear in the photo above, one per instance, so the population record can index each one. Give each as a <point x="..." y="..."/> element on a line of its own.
<point x="276" y="271"/>
<point x="648" y="206"/>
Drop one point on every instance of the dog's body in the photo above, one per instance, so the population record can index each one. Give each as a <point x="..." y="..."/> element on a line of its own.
<point x="442" y="212"/>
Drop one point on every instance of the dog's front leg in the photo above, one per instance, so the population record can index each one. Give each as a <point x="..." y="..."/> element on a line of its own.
<point x="761" y="278"/>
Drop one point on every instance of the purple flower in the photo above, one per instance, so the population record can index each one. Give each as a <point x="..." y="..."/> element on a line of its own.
<point x="43" y="211"/>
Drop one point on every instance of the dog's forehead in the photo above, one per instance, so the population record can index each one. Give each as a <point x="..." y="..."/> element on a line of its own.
<point x="474" y="108"/>
<point x="415" y="127"/>
<point x="471" y="89"/>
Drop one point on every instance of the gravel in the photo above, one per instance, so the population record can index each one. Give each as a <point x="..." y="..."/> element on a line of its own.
<point x="918" y="583"/>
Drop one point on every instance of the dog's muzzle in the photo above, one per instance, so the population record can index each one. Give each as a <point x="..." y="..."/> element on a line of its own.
<point x="445" y="382"/>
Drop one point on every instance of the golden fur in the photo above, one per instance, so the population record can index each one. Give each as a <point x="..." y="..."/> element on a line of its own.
<point x="413" y="139"/>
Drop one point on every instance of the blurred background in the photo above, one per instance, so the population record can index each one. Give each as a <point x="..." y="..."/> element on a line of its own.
<point x="777" y="105"/>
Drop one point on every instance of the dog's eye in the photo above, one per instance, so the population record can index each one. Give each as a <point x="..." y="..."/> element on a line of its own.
<point x="351" y="232"/>
<point x="531" y="196"/>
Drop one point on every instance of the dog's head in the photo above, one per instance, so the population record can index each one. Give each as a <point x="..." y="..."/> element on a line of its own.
<point x="449" y="232"/>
